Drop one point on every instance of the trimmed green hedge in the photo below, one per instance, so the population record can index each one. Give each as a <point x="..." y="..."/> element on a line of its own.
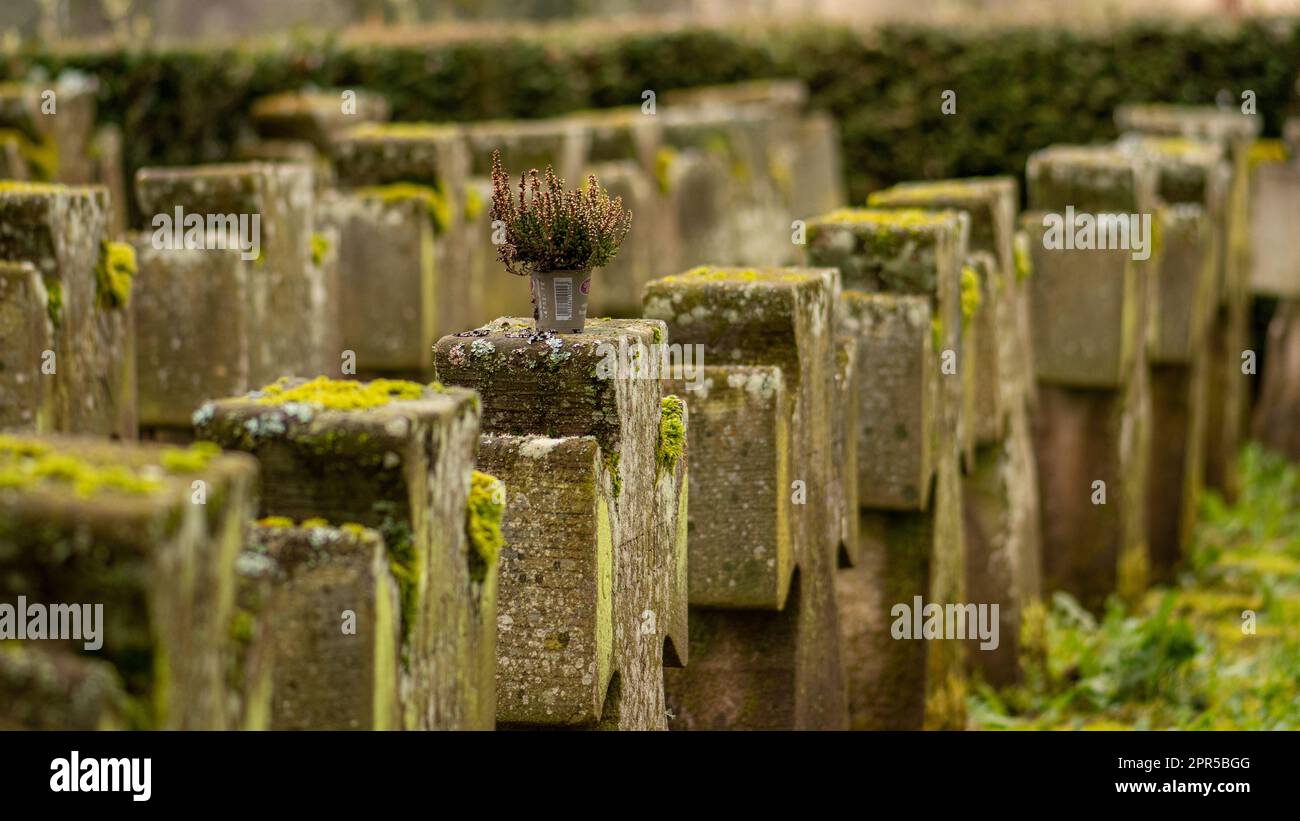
<point x="1017" y="89"/>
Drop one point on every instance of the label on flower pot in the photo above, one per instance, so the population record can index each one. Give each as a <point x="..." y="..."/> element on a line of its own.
<point x="563" y="287"/>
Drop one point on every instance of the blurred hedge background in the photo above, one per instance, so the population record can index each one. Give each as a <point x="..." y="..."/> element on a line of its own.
<point x="1018" y="88"/>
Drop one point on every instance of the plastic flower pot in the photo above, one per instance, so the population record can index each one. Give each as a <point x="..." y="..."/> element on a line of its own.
<point x="560" y="300"/>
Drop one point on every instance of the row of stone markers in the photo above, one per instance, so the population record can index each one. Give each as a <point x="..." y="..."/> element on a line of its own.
<point x="880" y="433"/>
<point x="366" y="508"/>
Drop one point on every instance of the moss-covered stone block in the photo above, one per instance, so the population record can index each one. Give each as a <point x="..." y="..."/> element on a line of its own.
<point x="336" y="626"/>
<point x="293" y="302"/>
<point x="57" y="689"/>
<point x="149" y="533"/>
<point x="555" y="620"/>
<point x="1003" y="332"/>
<point x="525" y="145"/>
<point x="430" y="154"/>
<point x="619" y="134"/>
<point x="898" y="392"/>
<point x="600" y="383"/>
<point x="395" y="456"/>
<point x="62" y="231"/>
<point x="902" y="251"/>
<point x="740" y="435"/>
<point x="1186" y="285"/>
<point x="1275" y="247"/>
<point x="392" y="305"/>
<point x="776" y="317"/>
<point x="1094" y="343"/>
<point x="1091" y="179"/>
<point x="750" y="152"/>
<point x="1233" y="133"/>
<point x="26" y="394"/>
<point x="53" y="146"/>
<point x="196" y="337"/>
<point x="315" y="117"/>
<point x="1201" y="122"/>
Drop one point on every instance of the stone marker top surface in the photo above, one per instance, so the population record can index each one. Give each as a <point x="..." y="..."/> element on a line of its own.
<point x="404" y="132"/>
<point x="1190" y="170"/>
<point x="317" y="104"/>
<point x="960" y="193"/>
<point x="736" y="297"/>
<point x="513" y="336"/>
<point x="1173" y="119"/>
<point x="330" y="414"/>
<point x="1091" y="178"/>
<point x="423" y="152"/>
<point x="991" y="202"/>
<point x="908" y="250"/>
<point x="917" y="223"/>
<point x="309" y="543"/>
<point x="235" y="187"/>
<point x="20" y="189"/>
<point x="74" y="473"/>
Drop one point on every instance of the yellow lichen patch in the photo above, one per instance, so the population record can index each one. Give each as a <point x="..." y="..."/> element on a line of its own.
<point x="114" y="274"/>
<point x="971" y="299"/>
<point x="902" y="218"/>
<point x="320" y="248"/>
<point x="314" y="522"/>
<point x="1267" y="151"/>
<point x="474" y="204"/>
<point x="672" y="432"/>
<point x="341" y="394"/>
<point x="1024" y="262"/>
<point x="275" y="522"/>
<point x="484" y="510"/>
<point x="41" y="156"/>
<point x="14" y="447"/>
<point x="27" y="465"/>
<point x="664" y="159"/>
<point x="436" y="202"/>
<point x="917" y="193"/>
<point x="189" y="460"/>
<point x="708" y="273"/>
<point x="402" y="131"/>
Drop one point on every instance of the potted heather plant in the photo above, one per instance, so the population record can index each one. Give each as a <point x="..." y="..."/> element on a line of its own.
<point x="556" y="237"/>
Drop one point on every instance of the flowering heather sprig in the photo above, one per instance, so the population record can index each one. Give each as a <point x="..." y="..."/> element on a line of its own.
<point x="551" y="229"/>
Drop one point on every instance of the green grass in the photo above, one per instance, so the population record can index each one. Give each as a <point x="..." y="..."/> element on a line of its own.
<point x="1185" y="658"/>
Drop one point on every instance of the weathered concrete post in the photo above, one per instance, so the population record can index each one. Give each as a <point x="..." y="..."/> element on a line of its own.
<point x="1229" y="333"/>
<point x="999" y="489"/>
<point x="149" y="535"/>
<point x="403" y="260"/>
<point x="901" y="302"/>
<point x="238" y="289"/>
<point x="1192" y="182"/>
<point x="87" y="366"/>
<point x="1092" y="424"/>
<point x="397" y="457"/>
<point x="1275" y="274"/>
<point x="333" y="617"/>
<point x="764" y="519"/>
<point x="591" y="604"/>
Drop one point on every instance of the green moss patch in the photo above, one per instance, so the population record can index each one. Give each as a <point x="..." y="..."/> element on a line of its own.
<point x="483" y="513"/>
<point x="435" y="200"/>
<point x="114" y="275"/>
<point x="672" y="432"/>
<point x="27" y="465"/>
